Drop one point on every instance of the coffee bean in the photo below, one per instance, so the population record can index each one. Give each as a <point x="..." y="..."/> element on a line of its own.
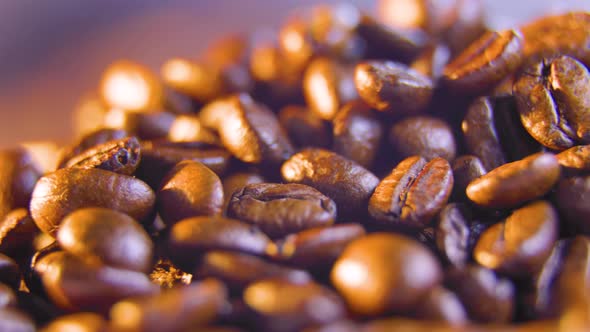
<point x="553" y="96"/>
<point x="59" y="193"/>
<point x="519" y="245"/>
<point x="487" y="298"/>
<point x="9" y="272"/>
<point x="18" y="175"/>
<point x="382" y="273"/>
<point x="413" y="193"/>
<point x="469" y="23"/>
<point x="575" y="160"/>
<point x="357" y="133"/>
<point x="119" y="156"/>
<point x="285" y="305"/>
<point x="432" y="61"/>
<point x="172" y="310"/>
<point x="317" y="248"/>
<point x="344" y="181"/>
<point x="100" y="235"/>
<point x="75" y="285"/>
<point x="197" y="80"/>
<point x="188" y="128"/>
<point x="15" y="321"/>
<point x="153" y="125"/>
<point x="452" y="233"/>
<point x="440" y="304"/>
<point x="571" y="200"/>
<point x="239" y="270"/>
<point x="515" y="183"/>
<point x="192" y="236"/>
<point x="304" y="127"/>
<point x="189" y="189"/>
<point x="17" y="231"/>
<point x="282" y="209"/>
<point x="465" y="169"/>
<point x="392" y="87"/>
<point x="423" y="136"/>
<point x="485" y="62"/>
<point x="83" y="322"/>
<point x="89" y="141"/>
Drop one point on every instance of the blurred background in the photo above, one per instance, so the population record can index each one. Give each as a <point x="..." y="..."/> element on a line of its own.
<point x="51" y="52"/>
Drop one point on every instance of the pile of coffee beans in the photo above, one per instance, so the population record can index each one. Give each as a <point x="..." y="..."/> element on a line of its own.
<point x="413" y="171"/>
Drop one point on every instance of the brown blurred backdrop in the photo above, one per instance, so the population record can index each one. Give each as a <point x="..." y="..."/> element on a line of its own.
<point x="51" y="52"/>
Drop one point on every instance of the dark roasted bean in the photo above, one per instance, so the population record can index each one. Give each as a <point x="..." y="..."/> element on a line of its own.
<point x="120" y="156"/>
<point x="413" y="193"/>
<point x="423" y="136"/>
<point x="452" y="233"/>
<point x="432" y="61"/>
<point x="282" y="209"/>
<point x="190" y="189"/>
<point x="485" y="62"/>
<point x="465" y="170"/>
<point x="392" y="87"/>
<point x="17" y="231"/>
<point x="59" y="193"/>
<point x="347" y="183"/>
<point x="9" y="272"/>
<point x="100" y="235"/>
<point x="89" y="141"/>
<point x="468" y="24"/>
<point x="519" y="245"/>
<point x="510" y="184"/>
<point x="571" y="198"/>
<point x="575" y="160"/>
<point x="18" y="175"/>
<point x="304" y="127"/>
<point x="382" y="273"/>
<point x="152" y="125"/>
<point x="440" y="304"/>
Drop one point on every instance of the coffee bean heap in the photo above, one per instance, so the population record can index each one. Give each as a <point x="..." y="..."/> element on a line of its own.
<point x="411" y="172"/>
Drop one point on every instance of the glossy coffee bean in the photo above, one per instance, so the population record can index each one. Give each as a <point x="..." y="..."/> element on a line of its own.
<point x="423" y="136"/>
<point x="304" y="127"/>
<point x="467" y="26"/>
<point x="237" y="181"/>
<point x="190" y="189"/>
<point x="571" y="199"/>
<point x="515" y="183"/>
<point x="17" y="231"/>
<point x="486" y="297"/>
<point x="413" y="193"/>
<point x="519" y="245"/>
<point x="153" y="125"/>
<point x="83" y="322"/>
<point x="79" y="188"/>
<point x="18" y="175"/>
<point x="553" y="96"/>
<point x="465" y="169"/>
<point x="282" y="209"/>
<point x="89" y="141"/>
<point x="75" y="285"/>
<point x="442" y="305"/>
<point x="16" y="321"/>
<point x="357" y="133"/>
<point x="120" y="156"/>
<point x="485" y="62"/>
<point x="393" y="87"/>
<point x="382" y="273"/>
<point x="188" y="128"/>
<point x="130" y="86"/>
<point x="9" y="272"/>
<point x="432" y="61"/>
<point x="575" y="160"/>
<point x="452" y="233"/>
<point x="192" y="236"/>
<point x="344" y="181"/>
<point x="284" y="305"/>
<point x="239" y="270"/>
<point x="317" y="248"/>
<point x="433" y="16"/>
<point x="198" y="80"/>
<point x="100" y="235"/>
<point x="172" y="310"/>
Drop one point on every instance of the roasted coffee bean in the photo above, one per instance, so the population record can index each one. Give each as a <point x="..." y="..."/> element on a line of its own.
<point x="120" y="156"/>
<point x="485" y="62"/>
<point x="188" y="128"/>
<point x="357" y="133"/>
<point x="37" y="266"/>
<point x="317" y="248"/>
<point x="17" y="231"/>
<point x="327" y="86"/>
<point x="9" y="272"/>
<point x="171" y="310"/>
<point x="158" y="159"/>
<point x="413" y="193"/>
<point x="304" y="127"/>
<point x="75" y="285"/>
<point x="190" y="237"/>
<point x="515" y="183"/>
<point x="152" y="125"/>
<point x="519" y="245"/>
<point x="432" y="61"/>
<point x="469" y="23"/>
<point x="544" y="37"/>
<point x="575" y="160"/>
<point x="251" y="132"/>
<point x="442" y="305"/>
<point x="286" y="305"/>
<point x="452" y="233"/>
<point x="190" y="189"/>
<point x="571" y="199"/>
<point x="7" y="297"/>
<point x="12" y="320"/>
<point x="18" y="175"/>
<point x="382" y="273"/>
<point x="198" y="80"/>
<point x="239" y="270"/>
<point x="487" y="298"/>
<point x="553" y="96"/>
<point x="41" y="310"/>
<point x="432" y="16"/>
<point x="59" y="193"/>
<point x="131" y="87"/>
<point x="82" y="322"/>
<point x="100" y="235"/>
<point x="89" y="141"/>
<point x="392" y="87"/>
<point x="237" y="181"/>
<point x="465" y="170"/>
<point x="346" y="182"/>
<point x="282" y="209"/>
<point x="423" y="136"/>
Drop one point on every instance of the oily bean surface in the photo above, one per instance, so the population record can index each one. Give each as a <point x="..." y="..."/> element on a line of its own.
<point x="575" y="160"/>
<point x="571" y="199"/>
<point x="444" y="306"/>
<point x="304" y="127"/>
<point x="465" y="169"/>
<point x="452" y="233"/>
<point x="423" y="136"/>
<point x="121" y="156"/>
<point x="17" y="232"/>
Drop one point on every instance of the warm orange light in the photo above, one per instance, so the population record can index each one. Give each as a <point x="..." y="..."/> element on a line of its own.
<point x="402" y="13"/>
